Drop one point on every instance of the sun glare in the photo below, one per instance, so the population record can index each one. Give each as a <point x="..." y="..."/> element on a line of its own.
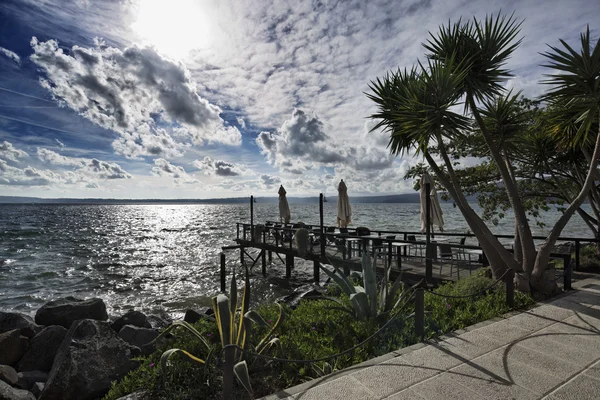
<point x="174" y="27"/>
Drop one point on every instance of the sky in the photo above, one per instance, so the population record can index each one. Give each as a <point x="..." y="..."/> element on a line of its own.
<point x="206" y="99"/>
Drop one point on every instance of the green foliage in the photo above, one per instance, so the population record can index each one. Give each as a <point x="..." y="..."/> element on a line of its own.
<point x="312" y="330"/>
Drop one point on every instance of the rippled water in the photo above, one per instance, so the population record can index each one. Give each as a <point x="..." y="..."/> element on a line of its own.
<point x="159" y="257"/>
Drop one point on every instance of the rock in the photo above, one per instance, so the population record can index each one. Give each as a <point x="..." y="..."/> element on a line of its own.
<point x="37" y="388"/>
<point x="133" y="396"/>
<point x="12" y="347"/>
<point x="42" y="349"/>
<point x="192" y="316"/>
<point x="90" y="357"/>
<point x="68" y="310"/>
<point x="294" y="298"/>
<point x="8" y="374"/>
<point x="8" y="392"/>
<point x="10" y="321"/>
<point x="26" y="379"/>
<point x="136" y="336"/>
<point x="134" y="318"/>
<point x="157" y="322"/>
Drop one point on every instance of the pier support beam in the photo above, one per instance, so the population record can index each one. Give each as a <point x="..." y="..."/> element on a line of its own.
<point x="316" y="271"/>
<point x="270" y="256"/>
<point x="263" y="256"/>
<point x="241" y="255"/>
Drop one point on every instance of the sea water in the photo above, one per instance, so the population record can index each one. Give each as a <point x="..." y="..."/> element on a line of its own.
<point x="157" y="258"/>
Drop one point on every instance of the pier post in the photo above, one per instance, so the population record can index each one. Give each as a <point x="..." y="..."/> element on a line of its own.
<point x="223" y="272"/>
<point x="510" y="288"/>
<point x="252" y="219"/>
<point x="263" y="256"/>
<point x="322" y="236"/>
<point x="577" y="248"/>
<point x="241" y="255"/>
<point x="420" y="314"/>
<point x="289" y="264"/>
<point x="428" y="250"/>
<point x="270" y="256"/>
<point x="316" y="271"/>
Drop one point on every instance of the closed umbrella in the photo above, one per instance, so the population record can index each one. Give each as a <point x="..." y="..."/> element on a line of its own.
<point x="435" y="212"/>
<point x="284" y="207"/>
<point x="344" y="211"/>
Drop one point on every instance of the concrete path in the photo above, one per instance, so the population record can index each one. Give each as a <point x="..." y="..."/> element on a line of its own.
<point x="549" y="352"/>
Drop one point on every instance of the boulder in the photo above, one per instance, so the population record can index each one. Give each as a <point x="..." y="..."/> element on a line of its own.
<point x="10" y="321"/>
<point x="90" y="357"/>
<point x="12" y="347"/>
<point x="8" y="374"/>
<point x="37" y="388"/>
<point x="8" y="392"/>
<point x="70" y="309"/>
<point x="157" y="322"/>
<point x="26" y="379"/>
<point x="42" y="349"/>
<point x="294" y="298"/>
<point x="133" y="396"/>
<point x="139" y="337"/>
<point x="192" y="316"/>
<point x="134" y="318"/>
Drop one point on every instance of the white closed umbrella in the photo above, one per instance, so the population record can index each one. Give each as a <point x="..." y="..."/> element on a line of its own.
<point x="284" y="207"/>
<point x="435" y="211"/>
<point x="344" y="211"/>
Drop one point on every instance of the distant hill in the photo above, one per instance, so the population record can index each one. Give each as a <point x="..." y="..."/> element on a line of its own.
<point x="398" y="198"/>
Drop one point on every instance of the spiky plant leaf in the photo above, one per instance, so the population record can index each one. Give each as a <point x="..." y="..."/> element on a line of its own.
<point x="241" y="372"/>
<point x="370" y="282"/>
<point x="338" y="277"/>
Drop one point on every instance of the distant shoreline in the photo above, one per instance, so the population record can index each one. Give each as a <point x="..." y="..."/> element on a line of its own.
<point x="399" y="198"/>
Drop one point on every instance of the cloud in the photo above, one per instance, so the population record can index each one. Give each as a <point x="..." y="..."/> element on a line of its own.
<point x="28" y="176"/>
<point x="268" y="181"/>
<point x="8" y="152"/>
<point x="241" y="122"/>
<point x="97" y="168"/>
<point x="164" y="168"/>
<point x="218" y="167"/>
<point x="11" y="55"/>
<point x="134" y="92"/>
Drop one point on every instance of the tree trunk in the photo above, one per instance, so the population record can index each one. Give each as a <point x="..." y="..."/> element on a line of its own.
<point x="499" y="258"/>
<point x="541" y="262"/>
<point x="527" y="243"/>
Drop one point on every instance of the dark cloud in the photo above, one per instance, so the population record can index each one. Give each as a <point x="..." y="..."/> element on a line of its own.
<point x="218" y="167"/>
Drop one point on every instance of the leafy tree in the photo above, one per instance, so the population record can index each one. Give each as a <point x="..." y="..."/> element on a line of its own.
<point x="465" y="66"/>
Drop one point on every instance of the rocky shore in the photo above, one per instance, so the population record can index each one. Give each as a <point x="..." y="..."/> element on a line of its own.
<point x="70" y="351"/>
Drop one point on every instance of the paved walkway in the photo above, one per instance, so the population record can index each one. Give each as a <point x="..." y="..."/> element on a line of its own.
<point x="549" y="352"/>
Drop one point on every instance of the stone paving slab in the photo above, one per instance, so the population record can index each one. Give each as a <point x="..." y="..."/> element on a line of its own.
<point x="551" y="351"/>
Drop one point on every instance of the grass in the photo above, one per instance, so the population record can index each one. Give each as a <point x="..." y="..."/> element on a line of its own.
<point x="314" y="330"/>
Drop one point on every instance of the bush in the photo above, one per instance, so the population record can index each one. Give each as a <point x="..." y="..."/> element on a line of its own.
<point x="313" y="330"/>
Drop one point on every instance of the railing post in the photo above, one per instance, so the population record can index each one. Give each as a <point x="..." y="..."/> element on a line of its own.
<point x="223" y="272"/>
<point x="510" y="288"/>
<point x="567" y="277"/>
<point x="322" y="236"/>
<point x="238" y="230"/>
<point x="577" y="248"/>
<point x="228" y="373"/>
<point x="420" y="314"/>
<point x="252" y="218"/>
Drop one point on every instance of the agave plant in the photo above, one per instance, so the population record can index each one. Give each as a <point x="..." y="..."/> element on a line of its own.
<point x="370" y="301"/>
<point x="235" y="328"/>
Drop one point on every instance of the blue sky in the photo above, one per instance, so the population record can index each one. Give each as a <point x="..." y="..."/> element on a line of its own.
<point x="201" y="99"/>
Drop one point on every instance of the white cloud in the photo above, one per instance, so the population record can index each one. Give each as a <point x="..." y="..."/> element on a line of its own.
<point x="90" y="167"/>
<point x="219" y="167"/>
<point x="164" y="168"/>
<point x="11" y="55"/>
<point x="131" y="92"/>
<point x="8" y="152"/>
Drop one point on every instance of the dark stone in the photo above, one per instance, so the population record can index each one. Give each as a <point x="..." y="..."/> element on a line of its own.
<point x="8" y="374"/>
<point x="139" y="337"/>
<point x="26" y="379"/>
<point x="12" y="347"/>
<point x="70" y="309"/>
<point x="10" y="321"/>
<point x="8" y="392"/>
<point x="192" y="316"/>
<point x="134" y="318"/>
<point x="37" y="388"/>
<point x="157" y="322"/>
<point x="42" y="349"/>
<point x="90" y="357"/>
<point x="294" y="298"/>
<point x="133" y="396"/>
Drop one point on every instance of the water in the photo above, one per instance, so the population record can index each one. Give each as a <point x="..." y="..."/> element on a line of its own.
<point x="161" y="257"/>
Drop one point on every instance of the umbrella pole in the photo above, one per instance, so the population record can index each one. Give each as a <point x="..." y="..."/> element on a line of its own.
<point x="428" y="249"/>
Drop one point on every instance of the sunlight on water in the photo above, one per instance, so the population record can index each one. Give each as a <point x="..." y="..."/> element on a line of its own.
<point x="161" y="257"/>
